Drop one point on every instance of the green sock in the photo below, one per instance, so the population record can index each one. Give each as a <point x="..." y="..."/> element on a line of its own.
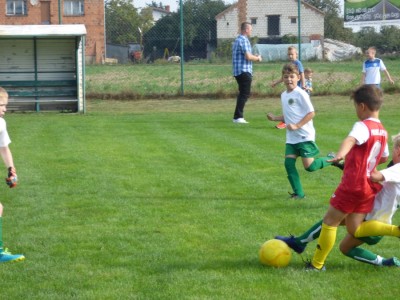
<point x="365" y="256"/>
<point x="319" y="163"/>
<point x="293" y="176"/>
<point x="1" y="233"/>
<point x="310" y="235"/>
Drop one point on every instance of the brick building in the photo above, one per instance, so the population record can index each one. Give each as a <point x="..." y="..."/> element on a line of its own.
<point x="36" y="12"/>
<point x="272" y="18"/>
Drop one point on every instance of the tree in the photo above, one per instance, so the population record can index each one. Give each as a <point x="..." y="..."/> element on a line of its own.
<point x="334" y="24"/>
<point x="366" y="36"/>
<point x="123" y="22"/>
<point x="390" y="39"/>
<point x="385" y="41"/>
<point x="163" y="35"/>
<point x="200" y="29"/>
<point x="331" y="6"/>
<point x="154" y="4"/>
<point x="334" y="29"/>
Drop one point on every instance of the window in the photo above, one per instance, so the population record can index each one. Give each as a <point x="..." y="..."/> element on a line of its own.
<point x="293" y="20"/>
<point x="253" y="21"/>
<point x="273" y="23"/>
<point x="73" y="8"/>
<point x="16" y="8"/>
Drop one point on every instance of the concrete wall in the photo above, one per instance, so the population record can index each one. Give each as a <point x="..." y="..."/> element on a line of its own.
<point x="312" y="20"/>
<point x="228" y="24"/>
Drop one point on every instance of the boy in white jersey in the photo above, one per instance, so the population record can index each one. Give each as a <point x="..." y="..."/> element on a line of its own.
<point x="292" y="56"/>
<point x="11" y="179"/>
<point x="385" y="205"/>
<point x="298" y="113"/>
<point x="372" y="68"/>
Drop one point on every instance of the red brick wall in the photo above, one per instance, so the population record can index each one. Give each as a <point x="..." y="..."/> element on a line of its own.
<point x="93" y="19"/>
<point x="242" y="12"/>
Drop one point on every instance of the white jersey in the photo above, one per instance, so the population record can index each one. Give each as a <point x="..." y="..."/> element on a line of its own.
<point x="296" y="105"/>
<point x="4" y="137"/>
<point x="387" y="200"/>
<point x="372" y="70"/>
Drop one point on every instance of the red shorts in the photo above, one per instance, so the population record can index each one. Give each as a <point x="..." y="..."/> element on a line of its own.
<point x="352" y="201"/>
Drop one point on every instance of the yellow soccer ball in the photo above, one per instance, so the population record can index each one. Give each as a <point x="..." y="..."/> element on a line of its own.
<point x="275" y="253"/>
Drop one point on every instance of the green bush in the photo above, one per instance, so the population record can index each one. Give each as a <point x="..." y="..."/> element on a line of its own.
<point x="289" y="39"/>
<point x="224" y="49"/>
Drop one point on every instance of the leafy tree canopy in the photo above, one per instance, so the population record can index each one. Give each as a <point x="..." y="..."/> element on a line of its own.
<point x="200" y="28"/>
<point x="124" y="23"/>
<point x="334" y="23"/>
<point x="327" y="6"/>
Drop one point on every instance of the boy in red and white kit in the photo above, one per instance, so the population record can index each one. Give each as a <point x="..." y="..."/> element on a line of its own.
<point x="386" y="204"/>
<point x="364" y="148"/>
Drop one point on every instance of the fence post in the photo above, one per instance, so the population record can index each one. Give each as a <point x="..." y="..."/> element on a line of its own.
<point x="299" y="27"/>
<point x="182" y="54"/>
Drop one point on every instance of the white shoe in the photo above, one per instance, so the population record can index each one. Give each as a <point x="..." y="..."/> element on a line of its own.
<point x="240" y="121"/>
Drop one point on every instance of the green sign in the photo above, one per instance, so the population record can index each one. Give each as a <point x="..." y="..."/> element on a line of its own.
<point x="372" y="11"/>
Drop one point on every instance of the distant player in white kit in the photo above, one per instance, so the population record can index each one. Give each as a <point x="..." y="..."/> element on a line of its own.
<point x="372" y="68"/>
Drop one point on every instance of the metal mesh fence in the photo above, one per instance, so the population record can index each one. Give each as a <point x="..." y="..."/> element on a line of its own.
<point x="196" y="32"/>
<point x="154" y="32"/>
<point x="208" y="28"/>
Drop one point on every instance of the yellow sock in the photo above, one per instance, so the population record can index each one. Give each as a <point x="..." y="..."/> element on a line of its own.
<point x="374" y="228"/>
<point x="326" y="241"/>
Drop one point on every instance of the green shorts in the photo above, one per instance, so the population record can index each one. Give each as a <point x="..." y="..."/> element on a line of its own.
<point x="305" y="149"/>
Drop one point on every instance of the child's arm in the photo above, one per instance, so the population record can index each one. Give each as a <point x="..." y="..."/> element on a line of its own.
<point x="385" y="156"/>
<point x="274" y="83"/>
<point x="272" y="117"/>
<point x="307" y="118"/>
<point x="377" y="176"/>
<point x="389" y="77"/>
<point x="252" y="57"/>
<point x="12" y="177"/>
<point x="6" y="155"/>
<point x="390" y="174"/>
<point x="362" y="78"/>
<point x="345" y="147"/>
<point x="302" y="80"/>
<point x="383" y="160"/>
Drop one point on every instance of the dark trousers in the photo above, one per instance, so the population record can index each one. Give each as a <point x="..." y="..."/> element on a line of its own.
<point x="244" y="83"/>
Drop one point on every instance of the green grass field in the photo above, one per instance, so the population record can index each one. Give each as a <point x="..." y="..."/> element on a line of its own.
<point x="171" y="200"/>
<point x="205" y="80"/>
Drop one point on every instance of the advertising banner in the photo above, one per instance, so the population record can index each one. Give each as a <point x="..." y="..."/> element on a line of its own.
<point x="372" y="12"/>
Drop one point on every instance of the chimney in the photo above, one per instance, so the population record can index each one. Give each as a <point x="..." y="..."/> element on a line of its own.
<point x="167" y="7"/>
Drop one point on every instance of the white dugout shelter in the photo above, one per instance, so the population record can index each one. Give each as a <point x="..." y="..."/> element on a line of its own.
<point x="42" y="67"/>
